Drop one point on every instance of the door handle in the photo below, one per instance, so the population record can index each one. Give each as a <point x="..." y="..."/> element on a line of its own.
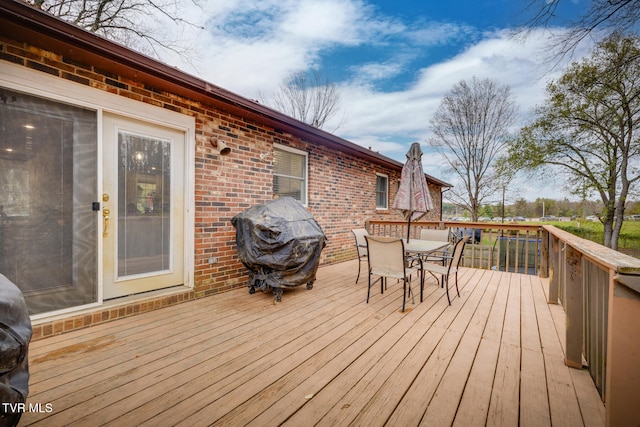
<point x="105" y="221"/>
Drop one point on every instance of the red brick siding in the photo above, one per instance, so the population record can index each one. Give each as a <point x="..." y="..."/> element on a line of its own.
<point x="341" y="187"/>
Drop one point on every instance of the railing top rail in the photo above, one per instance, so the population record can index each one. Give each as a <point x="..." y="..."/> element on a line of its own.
<point x="465" y="224"/>
<point x="607" y="257"/>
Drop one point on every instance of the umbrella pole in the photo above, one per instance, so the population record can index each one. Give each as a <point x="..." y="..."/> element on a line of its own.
<point x="409" y="229"/>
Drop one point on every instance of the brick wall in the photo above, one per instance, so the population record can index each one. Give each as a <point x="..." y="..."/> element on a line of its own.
<point x="341" y="195"/>
<point x="341" y="188"/>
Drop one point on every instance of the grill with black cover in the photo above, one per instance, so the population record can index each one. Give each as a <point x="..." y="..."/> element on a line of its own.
<point x="279" y="242"/>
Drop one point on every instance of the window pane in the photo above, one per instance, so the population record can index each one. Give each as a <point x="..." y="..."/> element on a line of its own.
<point x="289" y="175"/>
<point x="290" y="164"/>
<point x="143" y="204"/>
<point x="291" y="187"/>
<point x="381" y="192"/>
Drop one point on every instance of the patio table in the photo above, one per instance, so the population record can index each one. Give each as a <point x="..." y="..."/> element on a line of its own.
<point x="423" y="247"/>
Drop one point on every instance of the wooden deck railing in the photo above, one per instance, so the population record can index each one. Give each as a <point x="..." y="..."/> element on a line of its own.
<point x="598" y="287"/>
<point x="497" y="246"/>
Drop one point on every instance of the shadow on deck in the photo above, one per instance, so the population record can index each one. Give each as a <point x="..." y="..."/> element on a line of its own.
<point x="323" y="356"/>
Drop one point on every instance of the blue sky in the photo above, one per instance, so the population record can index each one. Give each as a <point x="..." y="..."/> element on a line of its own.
<point x="393" y="60"/>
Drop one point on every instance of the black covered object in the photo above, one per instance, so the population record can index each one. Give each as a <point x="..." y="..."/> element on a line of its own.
<point x="280" y="244"/>
<point x="15" y="335"/>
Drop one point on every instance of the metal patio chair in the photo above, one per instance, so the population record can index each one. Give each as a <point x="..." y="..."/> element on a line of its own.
<point x="386" y="258"/>
<point x="441" y="256"/>
<point x="451" y="268"/>
<point x="439" y="236"/>
<point x="361" y="246"/>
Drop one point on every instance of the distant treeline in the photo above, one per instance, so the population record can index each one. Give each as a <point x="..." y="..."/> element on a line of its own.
<point x="539" y="208"/>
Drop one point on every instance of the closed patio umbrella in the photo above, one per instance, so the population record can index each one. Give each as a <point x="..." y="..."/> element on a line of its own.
<point x="413" y="199"/>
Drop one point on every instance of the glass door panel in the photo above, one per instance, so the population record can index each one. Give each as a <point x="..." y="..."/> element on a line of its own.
<point x="48" y="182"/>
<point x="144" y="194"/>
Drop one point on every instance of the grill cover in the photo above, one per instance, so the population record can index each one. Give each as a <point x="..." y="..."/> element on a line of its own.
<point x="280" y="244"/>
<point x="15" y="335"/>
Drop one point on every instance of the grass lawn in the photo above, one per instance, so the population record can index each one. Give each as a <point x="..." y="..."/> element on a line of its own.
<point x="628" y="243"/>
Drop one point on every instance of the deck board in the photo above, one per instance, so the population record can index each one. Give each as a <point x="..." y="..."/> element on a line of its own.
<point x="323" y="357"/>
<point x="474" y="405"/>
<point x="534" y="399"/>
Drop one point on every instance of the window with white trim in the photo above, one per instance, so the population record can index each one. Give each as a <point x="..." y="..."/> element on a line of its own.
<point x="382" y="191"/>
<point x="290" y="173"/>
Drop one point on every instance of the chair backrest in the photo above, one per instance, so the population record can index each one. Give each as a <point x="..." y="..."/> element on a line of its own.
<point x="386" y="255"/>
<point x="458" y="251"/>
<point x="433" y="234"/>
<point x="361" y="242"/>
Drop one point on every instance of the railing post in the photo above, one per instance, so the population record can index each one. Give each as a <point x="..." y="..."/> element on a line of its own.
<point x="623" y="352"/>
<point x="544" y="254"/>
<point x="573" y="307"/>
<point x="554" y="260"/>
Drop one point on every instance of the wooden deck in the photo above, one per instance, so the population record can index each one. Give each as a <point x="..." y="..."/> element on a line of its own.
<point x="325" y="357"/>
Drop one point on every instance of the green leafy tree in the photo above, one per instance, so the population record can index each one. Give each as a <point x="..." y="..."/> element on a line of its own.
<point x="588" y="128"/>
<point x="487" y="210"/>
<point x="545" y="207"/>
<point x="521" y="207"/>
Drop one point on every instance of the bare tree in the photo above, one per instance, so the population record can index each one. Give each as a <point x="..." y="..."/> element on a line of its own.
<point x="308" y="97"/>
<point x="471" y="129"/>
<point x="602" y="16"/>
<point x="141" y="24"/>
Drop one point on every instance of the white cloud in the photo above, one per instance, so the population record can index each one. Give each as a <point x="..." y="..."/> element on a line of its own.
<point x="249" y="68"/>
<point x="377" y="71"/>
<point x="374" y="143"/>
<point x="323" y="21"/>
<point x="407" y="112"/>
<point x="251" y="47"/>
<point x="438" y="33"/>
